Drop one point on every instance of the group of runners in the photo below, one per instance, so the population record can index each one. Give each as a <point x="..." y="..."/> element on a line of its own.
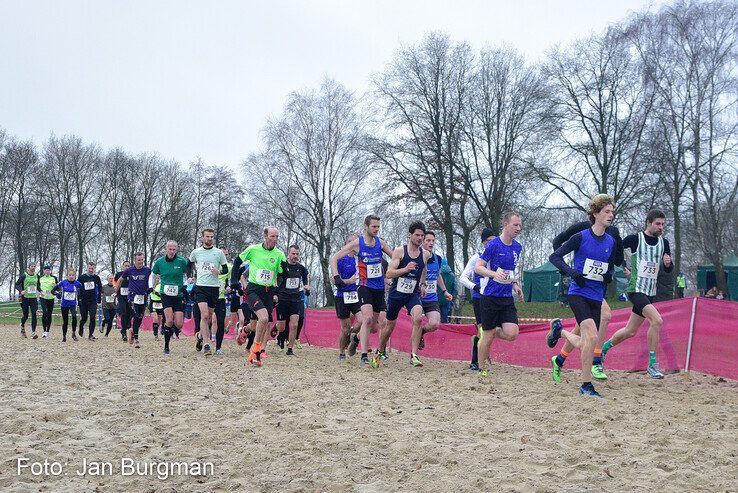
<point x="370" y="292"/>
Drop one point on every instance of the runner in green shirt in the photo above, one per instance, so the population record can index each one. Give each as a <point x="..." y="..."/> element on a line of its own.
<point x="27" y="285"/>
<point x="265" y="263"/>
<point x="46" y="284"/>
<point x="172" y="268"/>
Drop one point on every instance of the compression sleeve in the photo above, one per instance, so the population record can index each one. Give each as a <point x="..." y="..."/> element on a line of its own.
<point x="236" y="270"/>
<point x="568" y="233"/>
<point x="557" y="257"/>
<point x="19" y="282"/>
<point x="467" y="275"/>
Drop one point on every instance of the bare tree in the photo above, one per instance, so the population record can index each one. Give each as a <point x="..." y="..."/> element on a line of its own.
<point x="25" y="164"/>
<point x="310" y="169"/>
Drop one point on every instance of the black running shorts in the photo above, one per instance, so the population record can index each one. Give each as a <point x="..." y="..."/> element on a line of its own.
<point x="207" y="294"/>
<point x="374" y="297"/>
<point x="497" y="310"/>
<point x="640" y="301"/>
<point x="585" y="308"/>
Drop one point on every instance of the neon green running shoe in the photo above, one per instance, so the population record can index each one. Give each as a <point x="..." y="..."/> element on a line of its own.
<point x="598" y="372"/>
<point x="297" y="344"/>
<point x="377" y="359"/>
<point x="556" y="370"/>
<point x="484" y="372"/>
<point x="415" y="361"/>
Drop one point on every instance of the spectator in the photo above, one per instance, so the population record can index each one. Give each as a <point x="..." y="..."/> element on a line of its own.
<point x="665" y="283"/>
<point x="681" y="284"/>
<point x="450" y="280"/>
<point x="720" y="295"/>
<point x="711" y="293"/>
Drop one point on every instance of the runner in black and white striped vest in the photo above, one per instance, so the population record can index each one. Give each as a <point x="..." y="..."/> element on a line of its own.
<point x="648" y="252"/>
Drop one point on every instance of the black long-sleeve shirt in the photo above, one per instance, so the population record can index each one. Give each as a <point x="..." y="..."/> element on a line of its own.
<point x="91" y="289"/>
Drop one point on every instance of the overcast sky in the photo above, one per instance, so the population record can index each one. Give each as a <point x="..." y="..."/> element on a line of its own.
<point x="186" y="78"/>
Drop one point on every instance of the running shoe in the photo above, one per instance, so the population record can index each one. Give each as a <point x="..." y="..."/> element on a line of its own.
<point x="207" y="351"/>
<point x="219" y="352"/>
<point x="80" y="331"/>
<point x="74" y="337"/>
<point x="34" y="335"/>
<point x="377" y="359"/>
<point x="655" y="372"/>
<point x="554" y="334"/>
<point x="64" y="339"/>
<point x="297" y="344"/>
<point x="589" y="390"/>
<point x="289" y="352"/>
<point x="46" y="334"/>
<point x="415" y="361"/>
<point x="136" y="344"/>
<point x="353" y="344"/>
<point x="274" y="331"/>
<point x="598" y="372"/>
<point x="341" y="358"/>
<point x="93" y="338"/>
<point x="124" y="338"/>
<point x="23" y="332"/>
<point x="242" y="336"/>
<point x="156" y="337"/>
<point x="166" y="351"/>
<point x="198" y="343"/>
<point x="254" y="358"/>
<point x="473" y="367"/>
<point x="557" y="370"/>
<point x="364" y="362"/>
<point x="484" y="372"/>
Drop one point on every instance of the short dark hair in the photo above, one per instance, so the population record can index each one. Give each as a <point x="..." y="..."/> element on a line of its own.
<point x="430" y="232"/>
<point x="368" y="219"/>
<point x="293" y="246"/>
<point x="416" y="225"/>
<point x="138" y="254"/>
<point x="91" y="263"/>
<point x="654" y="214"/>
<point x="509" y="215"/>
<point x="208" y="230"/>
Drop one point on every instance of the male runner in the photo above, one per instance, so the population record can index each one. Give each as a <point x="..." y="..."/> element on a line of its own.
<point x="407" y="269"/>
<point x="89" y="299"/>
<point x="224" y="290"/>
<point x="498" y="264"/>
<point x="108" y="305"/>
<point x="124" y="308"/>
<point x="209" y="262"/>
<point x="292" y="282"/>
<point x="140" y="281"/>
<point x="27" y="285"/>
<point x="645" y="251"/>
<point x="265" y="263"/>
<point x="46" y="284"/>
<point x="156" y="309"/>
<point x="431" y="308"/>
<point x="593" y="266"/>
<point x="369" y="248"/>
<point x="557" y="362"/>
<point x="472" y="281"/>
<point x="347" y="303"/>
<point x="172" y="269"/>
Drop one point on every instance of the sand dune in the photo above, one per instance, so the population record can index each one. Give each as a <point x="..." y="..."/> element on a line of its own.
<point x="310" y="424"/>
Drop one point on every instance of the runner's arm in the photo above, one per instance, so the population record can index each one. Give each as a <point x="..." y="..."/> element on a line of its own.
<point x="19" y="282"/>
<point x="392" y="270"/>
<point x="98" y="286"/>
<point x="350" y="247"/>
<point x="568" y="233"/>
<point x="467" y="275"/>
<point x="557" y="257"/>
<point x="236" y="270"/>
<point x="667" y="251"/>
<point x="386" y="248"/>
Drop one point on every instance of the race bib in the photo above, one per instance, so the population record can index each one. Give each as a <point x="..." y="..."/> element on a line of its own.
<point x="138" y="299"/>
<point x="595" y="269"/>
<point x="206" y="266"/>
<point x="70" y="296"/>
<point x="156" y="305"/>
<point x="31" y="290"/>
<point x="350" y="297"/>
<point x="110" y="299"/>
<point x="431" y="287"/>
<point x="170" y="290"/>
<point x="265" y="276"/>
<point x="648" y="270"/>
<point x="510" y="276"/>
<point x="124" y="291"/>
<point x="292" y="283"/>
<point x="89" y="285"/>
<point x="373" y="270"/>
<point x="405" y="285"/>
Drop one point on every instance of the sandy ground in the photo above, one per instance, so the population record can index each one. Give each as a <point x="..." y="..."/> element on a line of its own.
<point x="310" y="424"/>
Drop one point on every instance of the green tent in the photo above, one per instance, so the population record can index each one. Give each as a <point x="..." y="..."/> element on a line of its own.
<point x="542" y="283"/>
<point x="706" y="276"/>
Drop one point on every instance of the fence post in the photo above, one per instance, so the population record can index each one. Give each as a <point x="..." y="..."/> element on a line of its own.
<point x="691" y="334"/>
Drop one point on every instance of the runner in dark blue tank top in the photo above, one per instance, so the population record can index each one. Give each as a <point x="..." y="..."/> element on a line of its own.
<point x="369" y="247"/>
<point x="408" y="270"/>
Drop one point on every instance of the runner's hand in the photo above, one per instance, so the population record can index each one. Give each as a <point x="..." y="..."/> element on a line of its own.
<point x="449" y="296"/>
<point x="667" y="260"/>
<point x="411" y="266"/>
<point x="307" y="291"/>
<point x="626" y="271"/>
<point x="275" y="298"/>
<point x="500" y="276"/>
<point x="338" y="281"/>
<point x="23" y="293"/>
<point x="579" y="278"/>
<point x="518" y="291"/>
<point x="607" y="277"/>
<point x="214" y="270"/>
